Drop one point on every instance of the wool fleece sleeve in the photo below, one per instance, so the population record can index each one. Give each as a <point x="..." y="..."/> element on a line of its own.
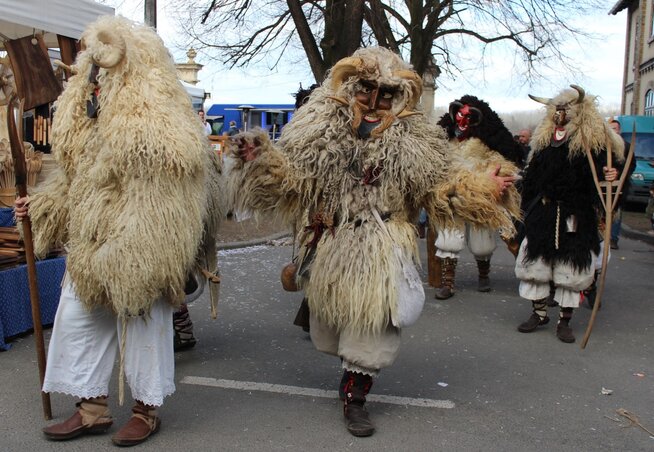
<point x="263" y="184"/>
<point x="48" y="211"/>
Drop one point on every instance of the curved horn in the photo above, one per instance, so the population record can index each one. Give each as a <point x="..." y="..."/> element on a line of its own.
<point x="110" y="49"/>
<point x="454" y="107"/>
<point x="343" y="69"/>
<point x="415" y="83"/>
<point x="479" y="114"/>
<point x="581" y="92"/>
<point x="542" y="100"/>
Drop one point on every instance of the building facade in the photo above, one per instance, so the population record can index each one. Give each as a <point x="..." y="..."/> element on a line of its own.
<point x="638" y="75"/>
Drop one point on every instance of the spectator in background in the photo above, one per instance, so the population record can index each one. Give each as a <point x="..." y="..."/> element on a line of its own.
<point x="524" y="136"/>
<point x="205" y="124"/>
<point x="232" y="128"/>
<point x="650" y="208"/>
<point x="617" y="217"/>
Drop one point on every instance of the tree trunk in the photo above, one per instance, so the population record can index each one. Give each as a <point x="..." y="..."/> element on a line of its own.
<point x="316" y="61"/>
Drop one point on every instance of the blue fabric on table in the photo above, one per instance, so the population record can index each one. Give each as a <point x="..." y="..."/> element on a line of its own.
<point x="7" y="217"/>
<point x="15" y="307"/>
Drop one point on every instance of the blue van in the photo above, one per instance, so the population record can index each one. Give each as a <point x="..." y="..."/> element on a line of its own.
<point x="643" y="176"/>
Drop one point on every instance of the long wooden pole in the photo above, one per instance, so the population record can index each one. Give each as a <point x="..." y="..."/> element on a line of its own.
<point x="608" y="204"/>
<point x="18" y="154"/>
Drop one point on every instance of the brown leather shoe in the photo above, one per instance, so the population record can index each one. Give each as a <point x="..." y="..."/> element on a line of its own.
<point x="91" y="417"/>
<point x="564" y="333"/>
<point x="533" y="322"/>
<point x="443" y="293"/>
<point x="357" y="420"/>
<point x="143" y="423"/>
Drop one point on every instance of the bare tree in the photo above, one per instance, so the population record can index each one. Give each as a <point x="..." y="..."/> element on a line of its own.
<point x="435" y="35"/>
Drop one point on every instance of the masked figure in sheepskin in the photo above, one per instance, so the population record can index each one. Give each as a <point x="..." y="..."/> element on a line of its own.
<point x="560" y="204"/>
<point x="132" y="204"/>
<point x="478" y="136"/>
<point x="355" y="165"/>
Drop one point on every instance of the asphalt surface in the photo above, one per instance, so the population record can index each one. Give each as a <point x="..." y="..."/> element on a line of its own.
<point x="490" y="387"/>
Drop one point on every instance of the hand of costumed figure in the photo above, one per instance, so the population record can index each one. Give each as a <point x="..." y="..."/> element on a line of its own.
<point x="246" y="146"/>
<point x="502" y="182"/>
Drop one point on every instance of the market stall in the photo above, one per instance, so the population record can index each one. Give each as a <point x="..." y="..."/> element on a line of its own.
<point x="30" y="29"/>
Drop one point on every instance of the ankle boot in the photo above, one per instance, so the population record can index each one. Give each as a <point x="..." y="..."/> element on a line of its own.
<point x="483" y="284"/>
<point x="356" y="417"/>
<point x="143" y="423"/>
<point x="538" y="317"/>
<point x="563" y="330"/>
<point x="183" y="327"/>
<point x="92" y="417"/>
<point x="448" y="267"/>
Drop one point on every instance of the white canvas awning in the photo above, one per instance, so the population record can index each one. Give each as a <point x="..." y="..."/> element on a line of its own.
<point x="19" y="18"/>
<point x="192" y="90"/>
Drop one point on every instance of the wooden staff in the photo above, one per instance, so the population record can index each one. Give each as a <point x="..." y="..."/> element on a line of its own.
<point x="608" y="203"/>
<point x="14" y="110"/>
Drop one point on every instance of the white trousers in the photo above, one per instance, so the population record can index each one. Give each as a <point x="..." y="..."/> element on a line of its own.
<point x="481" y="242"/>
<point x="83" y="346"/>
<point x="535" y="277"/>
<point x="364" y="353"/>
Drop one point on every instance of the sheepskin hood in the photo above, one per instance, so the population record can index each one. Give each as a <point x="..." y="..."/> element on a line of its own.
<point x="585" y="127"/>
<point x="133" y="196"/>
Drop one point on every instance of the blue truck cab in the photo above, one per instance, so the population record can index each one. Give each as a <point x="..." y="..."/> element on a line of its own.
<point x="643" y="176"/>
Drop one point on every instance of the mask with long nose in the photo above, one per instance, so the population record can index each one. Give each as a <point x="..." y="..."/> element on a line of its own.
<point x="372" y="107"/>
<point x="378" y="88"/>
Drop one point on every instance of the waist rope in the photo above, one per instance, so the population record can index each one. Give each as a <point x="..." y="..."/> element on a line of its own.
<point x="121" y="368"/>
<point x="558" y="223"/>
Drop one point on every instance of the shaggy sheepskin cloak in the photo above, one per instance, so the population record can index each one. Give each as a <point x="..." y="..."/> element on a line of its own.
<point x="487" y="145"/>
<point x="321" y="165"/>
<point x="558" y="184"/>
<point x="132" y="199"/>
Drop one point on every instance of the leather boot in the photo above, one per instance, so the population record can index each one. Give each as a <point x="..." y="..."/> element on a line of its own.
<point x="342" y="384"/>
<point x="563" y="330"/>
<point x="92" y="417"/>
<point x="356" y="417"/>
<point x="143" y="423"/>
<point x="448" y="268"/>
<point x="183" y="327"/>
<point x="538" y="317"/>
<point x="422" y="230"/>
<point x="483" y="284"/>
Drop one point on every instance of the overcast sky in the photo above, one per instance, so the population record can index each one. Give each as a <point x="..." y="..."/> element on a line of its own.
<point x="602" y="60"/>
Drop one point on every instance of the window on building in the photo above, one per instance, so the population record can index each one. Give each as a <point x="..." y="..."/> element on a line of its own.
<point x="649" y="103"/>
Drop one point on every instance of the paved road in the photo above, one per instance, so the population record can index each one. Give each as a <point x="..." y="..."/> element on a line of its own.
<point x="469" y="379"/>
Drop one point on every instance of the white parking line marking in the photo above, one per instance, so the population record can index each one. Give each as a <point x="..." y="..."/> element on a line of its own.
<point x="311" y="392"/>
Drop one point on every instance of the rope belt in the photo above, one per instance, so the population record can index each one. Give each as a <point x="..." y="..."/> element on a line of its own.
<point x="558" y="223"/>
